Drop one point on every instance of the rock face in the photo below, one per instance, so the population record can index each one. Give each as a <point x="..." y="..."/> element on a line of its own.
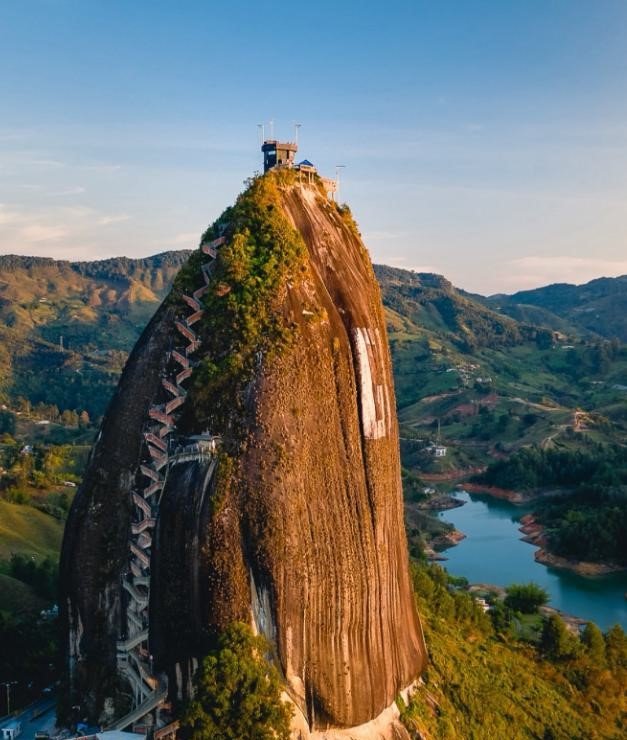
<point x="298" y="527"/>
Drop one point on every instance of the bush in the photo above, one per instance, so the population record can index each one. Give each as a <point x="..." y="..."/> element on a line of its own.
<point x="556" y="642"/>
<point x="238" y="692"/>
<point x="42" y="576"/>
<point x="525" y="597"/>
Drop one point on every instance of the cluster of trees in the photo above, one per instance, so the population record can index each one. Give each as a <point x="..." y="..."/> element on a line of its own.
<point x="48" y="412"/>
<point x="77" y="419"/>
<point x="484" y="681"/>
<point x="41" y="575"/>
<point x="238" y="692"/>
<point x="50" y="377"/>
<point x="40" y="467"/>
<point x="526" y="598"/>
<point x="589" y="526"/>
<point x="29" y="656"/>
<point x="584" y="359"/>
<point x="586" y="657"/>
<point x="490" y="423"/>
<point x="600" y="467"/>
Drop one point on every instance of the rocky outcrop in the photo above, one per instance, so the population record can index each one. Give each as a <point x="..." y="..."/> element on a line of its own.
<point x="300" y="527"/>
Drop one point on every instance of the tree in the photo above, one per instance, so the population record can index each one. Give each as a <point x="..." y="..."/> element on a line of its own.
<point x="238" y="692"/>
<point x="69" y="418"/>
<point x="7" y="422"/>
<point x="616" y="647"/>
<point x="556" y="642"/>
<point x="525" y="597"/>
<point x="501" y="616"/>
<point x="592" y="638"/>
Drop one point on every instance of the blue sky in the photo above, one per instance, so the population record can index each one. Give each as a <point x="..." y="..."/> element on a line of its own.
<point x="483" y="140"/>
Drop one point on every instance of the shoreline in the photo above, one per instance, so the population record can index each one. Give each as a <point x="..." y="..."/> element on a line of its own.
<point x="439" y="502"/>
<point x="535" y="534"/>
<point x="433" y="551"/>
<point x="514" y="497"/>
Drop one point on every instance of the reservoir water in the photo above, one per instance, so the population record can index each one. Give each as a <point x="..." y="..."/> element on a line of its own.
<point x="494" y="553"/>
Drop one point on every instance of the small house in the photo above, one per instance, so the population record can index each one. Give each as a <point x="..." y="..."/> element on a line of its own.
<point x="278" y="154"/>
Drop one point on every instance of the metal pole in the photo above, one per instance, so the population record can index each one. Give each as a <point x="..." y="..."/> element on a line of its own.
<point x="338" y="167"/>
<point x="7" y="685"/>
<point x="296" y="127"/>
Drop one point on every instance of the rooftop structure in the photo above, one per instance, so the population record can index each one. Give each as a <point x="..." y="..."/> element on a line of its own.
<point x="281" y="154"/>
<point x="278" y="154"/>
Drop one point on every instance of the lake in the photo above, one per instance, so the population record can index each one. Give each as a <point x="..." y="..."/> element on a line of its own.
<point x="494" y="553"/>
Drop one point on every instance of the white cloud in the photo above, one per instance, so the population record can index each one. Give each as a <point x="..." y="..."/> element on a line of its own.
<point x="535" y="270"/>
<point x="187" y="238"/>
<point x="78" y="190"/>
<point x="41" y="233"/>
<point x="378" y="236"/>
<point x="112" y="219"/>
<point x="47" y="163"/>
<point x="57" y="231"/>
<point x="405" y="263"/>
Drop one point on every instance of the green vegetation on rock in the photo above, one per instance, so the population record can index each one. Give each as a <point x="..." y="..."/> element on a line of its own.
<point x="238" y="692"/>
<point x="241" y="324"/>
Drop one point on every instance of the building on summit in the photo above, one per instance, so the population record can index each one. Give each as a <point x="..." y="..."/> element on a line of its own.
<point x="281" y="154"/>
<point x="278" y="154"/>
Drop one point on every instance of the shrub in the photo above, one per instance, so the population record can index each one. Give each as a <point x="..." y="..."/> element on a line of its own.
<point x="525" y="597"/>
<point x="238" y="692"/>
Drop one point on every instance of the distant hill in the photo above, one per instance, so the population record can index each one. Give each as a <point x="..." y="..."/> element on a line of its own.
<point x="491" y="383"/>
<point x="598" y="307"/>
<point x="65" y="327"/>
<point x="431" y="302"/>
<point x="443" y="341"/>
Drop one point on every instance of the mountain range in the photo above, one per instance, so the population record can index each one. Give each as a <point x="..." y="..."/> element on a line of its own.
<point x="597" y="307"/>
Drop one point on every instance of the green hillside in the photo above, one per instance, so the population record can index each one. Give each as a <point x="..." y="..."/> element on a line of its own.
<point x="598" y="307"/>
<point x="26" y="530"/>
<point x="17" y="597"/>
<point x="484" y="682"/>
<point x="65" y="327"/>
<point x="490" y="384"/>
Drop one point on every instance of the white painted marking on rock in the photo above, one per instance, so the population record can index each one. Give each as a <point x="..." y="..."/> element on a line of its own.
<point x="372" y="427"/>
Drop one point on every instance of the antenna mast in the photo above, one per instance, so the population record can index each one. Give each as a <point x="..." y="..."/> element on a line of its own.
<point x="296" y="128"/>
<point x="338" y="168"/>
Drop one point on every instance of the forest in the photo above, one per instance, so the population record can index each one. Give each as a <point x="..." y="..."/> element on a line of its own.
<point x="589" y="524"/>
<point x="598" y="468"/>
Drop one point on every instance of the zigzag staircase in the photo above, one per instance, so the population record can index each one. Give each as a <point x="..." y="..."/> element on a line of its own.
<point x="133" y="651"/>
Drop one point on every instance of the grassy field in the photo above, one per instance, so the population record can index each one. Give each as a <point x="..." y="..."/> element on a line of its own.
<point x="26" y="530"/>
